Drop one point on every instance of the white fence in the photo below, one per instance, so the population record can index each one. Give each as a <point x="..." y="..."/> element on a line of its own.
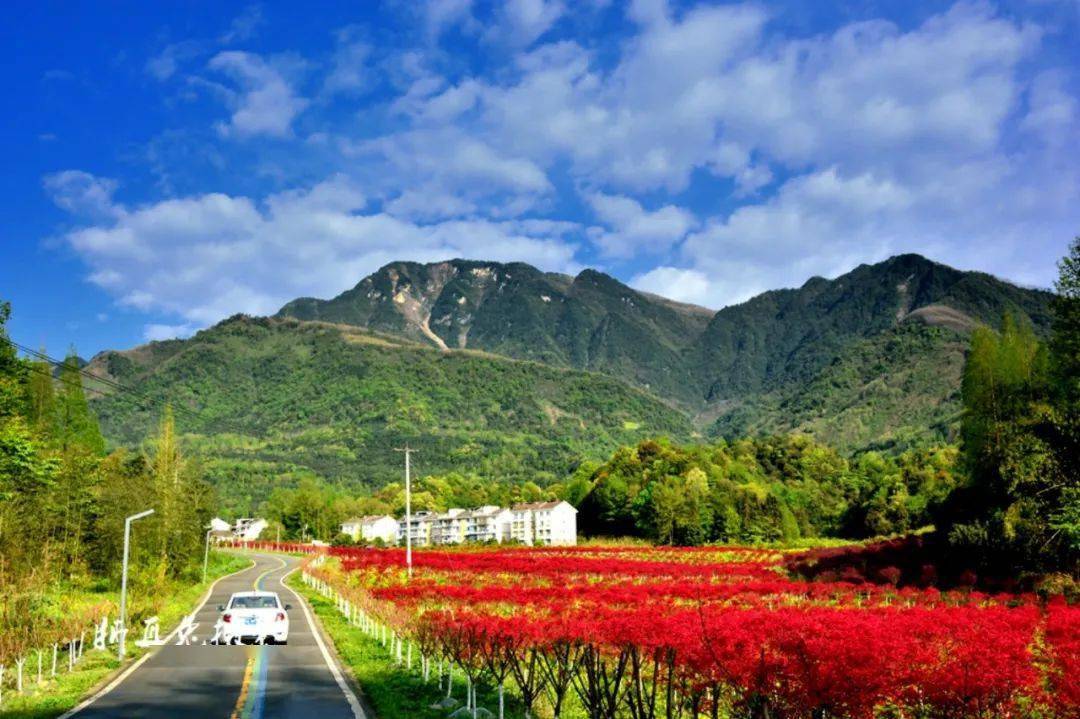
<point x="400" y="653"/>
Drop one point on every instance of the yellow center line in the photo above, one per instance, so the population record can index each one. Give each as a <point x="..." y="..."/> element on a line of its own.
<point x="258" y="580"/>
<point x="249" y="670"/>
<point x="242" y="699"/>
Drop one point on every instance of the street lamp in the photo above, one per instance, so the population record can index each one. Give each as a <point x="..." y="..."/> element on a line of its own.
<point x="206" y="553"/>
<point x="123" y="580"/>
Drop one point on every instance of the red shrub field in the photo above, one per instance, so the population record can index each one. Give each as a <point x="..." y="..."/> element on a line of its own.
<point x="720" y="632"/>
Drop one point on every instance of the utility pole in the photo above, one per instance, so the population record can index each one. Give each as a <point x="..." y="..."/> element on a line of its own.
<point x="407" y="451"/>
<point x="123" y="580"/>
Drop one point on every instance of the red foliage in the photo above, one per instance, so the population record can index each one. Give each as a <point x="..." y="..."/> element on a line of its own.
<point x="722" y="625"/>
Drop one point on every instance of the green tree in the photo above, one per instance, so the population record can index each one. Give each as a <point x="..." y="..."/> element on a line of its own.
<point x="75" y="424"/>
<point x="41" y="398"/>
<point x="181" y="499"/>
<point x="1065" y="344"/>
<point x="1018" y="452"/>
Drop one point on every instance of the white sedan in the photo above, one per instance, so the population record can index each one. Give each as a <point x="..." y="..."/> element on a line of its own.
<point x="258" y="617"/>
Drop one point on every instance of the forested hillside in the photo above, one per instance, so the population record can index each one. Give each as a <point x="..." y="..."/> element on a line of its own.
<point x="893" y="391"/>
<point x="268" y="402"/>
<point x="478" y="364"/>
<point x="871" y="359"/>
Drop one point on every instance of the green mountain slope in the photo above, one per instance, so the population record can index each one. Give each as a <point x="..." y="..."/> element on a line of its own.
<point x="281" y="399"/>
<point x="591" y="321"/>
<point x="892" y="391"/>
<point x="871" y="359"/>
<point x="788" y="336"/>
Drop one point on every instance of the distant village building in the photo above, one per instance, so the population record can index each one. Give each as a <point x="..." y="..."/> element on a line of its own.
<point x="248" y="529"/>
<point x="370" y="528"/>
<point x="220" y="531"/>
<point x="450" y="527"/>
<point x="420" y="529"/>
<point x="549" y="523"/>
<point x="487" y="524"/>
<point x="532" y="523"/>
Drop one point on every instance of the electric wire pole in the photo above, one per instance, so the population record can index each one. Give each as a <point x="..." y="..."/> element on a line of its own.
<point x="407" y="451"/>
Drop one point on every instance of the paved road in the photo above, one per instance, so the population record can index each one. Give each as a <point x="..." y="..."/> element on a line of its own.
<point x="298" y="681"/>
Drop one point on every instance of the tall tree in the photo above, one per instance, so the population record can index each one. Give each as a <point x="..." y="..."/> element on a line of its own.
<point x="1065" y="349"/>
<point x="76" y="426"/>
<point x="1065" y="344"/>
<point x="1021" y="437"/>
<point x="182" y="498"/>
<point x="41" y="398"/>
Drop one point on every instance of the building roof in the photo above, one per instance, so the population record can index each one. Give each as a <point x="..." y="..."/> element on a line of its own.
<point x="484" y="512"/>
<point x="539" y="505"/>
<point x="368" y="519"/>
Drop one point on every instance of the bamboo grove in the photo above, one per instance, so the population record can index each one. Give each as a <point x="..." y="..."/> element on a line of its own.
<point x="63" y="499"/>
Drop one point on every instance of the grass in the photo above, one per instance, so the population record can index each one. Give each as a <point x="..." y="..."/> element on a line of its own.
<point x="392" y="692"/>
<point x="55" y="696"/>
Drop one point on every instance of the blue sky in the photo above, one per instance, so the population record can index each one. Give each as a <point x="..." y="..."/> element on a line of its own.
<point x="171" y="164"/>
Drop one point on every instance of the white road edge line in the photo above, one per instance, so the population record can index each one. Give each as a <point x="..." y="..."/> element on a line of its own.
<point x="350" y="697"/>
<point x="142" y="660"/>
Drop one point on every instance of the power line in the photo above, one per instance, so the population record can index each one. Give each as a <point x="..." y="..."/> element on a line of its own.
<point x="110" y="383"/>
<point x="49" y="374"/>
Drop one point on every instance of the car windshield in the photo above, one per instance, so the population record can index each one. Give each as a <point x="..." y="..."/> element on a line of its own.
<point x="265" y="602"/>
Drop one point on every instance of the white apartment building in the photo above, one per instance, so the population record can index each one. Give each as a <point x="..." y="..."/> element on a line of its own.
<point x="449" y="527"/>
<point x="545" y="523"/>
<point x="488" y="523"/>
<point x="550" y="523"/>
<point x="372" y="527"/>
<point x="419" y="529"/>
<point x="248" y="529"/>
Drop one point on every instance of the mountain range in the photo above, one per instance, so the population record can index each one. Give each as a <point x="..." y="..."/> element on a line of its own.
<point x="876" y="322"/>
<point x="505" y="369"/>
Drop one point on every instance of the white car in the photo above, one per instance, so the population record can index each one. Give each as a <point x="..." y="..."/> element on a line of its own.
<point x="258" y="617"/>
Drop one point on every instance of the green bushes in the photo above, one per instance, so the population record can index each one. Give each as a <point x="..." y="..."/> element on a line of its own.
<point x="762" y="490"/>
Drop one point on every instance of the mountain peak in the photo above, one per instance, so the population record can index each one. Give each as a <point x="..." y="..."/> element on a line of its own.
<point x="683" y="352"/>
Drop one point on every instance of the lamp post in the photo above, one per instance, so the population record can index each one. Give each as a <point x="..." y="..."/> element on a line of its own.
<point x="123" y="579"/>
<point x="206" y="554"/>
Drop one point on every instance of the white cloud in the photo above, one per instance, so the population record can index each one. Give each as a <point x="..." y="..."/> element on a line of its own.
<point x="706" y="141"/>
<point x="80" y="193"/>
<point x="708" y="89"/>
<point x="441" y="15"/>
<point x="522" y="22"/>
<point x="350" y="73"/>
<point x="167" y="62"/>
<point x="634" y="230"/>
<point x="243" y="25"/>
<point x="265" y="103"/>
<point x="159" y="332"/>
<point x="205" y="257"/>
<point x="1052" y="110"/>
<point x="885" y="140"/>
<point x="456" y="171"/>
<point x="684" y="285"/>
